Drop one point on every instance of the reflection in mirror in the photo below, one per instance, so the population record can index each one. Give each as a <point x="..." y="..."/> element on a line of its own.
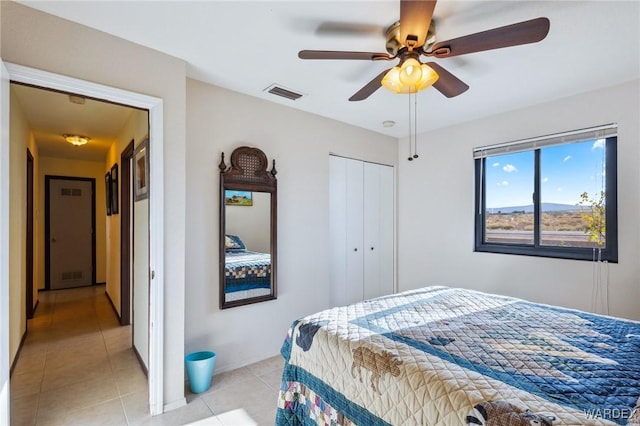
<point x="247" y="242"/>
<point x="248" y="200"/>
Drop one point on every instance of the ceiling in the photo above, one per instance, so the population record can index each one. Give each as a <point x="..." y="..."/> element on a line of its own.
<point x="52" y="114"/>
<point x="248" y="46"/>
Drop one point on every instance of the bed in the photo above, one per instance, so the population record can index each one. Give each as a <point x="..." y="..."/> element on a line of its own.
<point x="448" y="356"/>
<point x="247" y="273"/>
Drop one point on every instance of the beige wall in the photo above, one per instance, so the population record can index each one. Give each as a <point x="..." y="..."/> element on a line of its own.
<point x="42" y="41"/>
<point x="51" y="166"/>
<point x="21" y="138"/>
<point x="136" y="128"/>
<point x="439" y="189"/>
<point x="300" y="143"/>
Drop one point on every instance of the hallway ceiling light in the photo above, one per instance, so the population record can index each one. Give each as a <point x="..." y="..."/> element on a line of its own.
<point x="76" y="140"/>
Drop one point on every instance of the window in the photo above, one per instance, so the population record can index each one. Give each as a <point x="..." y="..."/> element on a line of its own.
<point x="552" y="196"/>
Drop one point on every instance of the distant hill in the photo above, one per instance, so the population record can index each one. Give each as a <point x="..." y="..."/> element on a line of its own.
<point x="546" y="207"/>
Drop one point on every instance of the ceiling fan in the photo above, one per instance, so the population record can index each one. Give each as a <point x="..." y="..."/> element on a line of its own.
<point x="414" y="36"/>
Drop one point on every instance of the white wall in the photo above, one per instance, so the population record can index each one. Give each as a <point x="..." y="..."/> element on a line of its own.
<point x="436" y="207"/>
<point x="218" y="121"/>
<point x="45" y="42"/>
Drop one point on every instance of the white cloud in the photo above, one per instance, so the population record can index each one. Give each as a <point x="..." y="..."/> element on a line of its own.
<point x="496" y="164"/>
<point x="599" y="144"/>
<point x="503" y="183"/>
<point x="545" y="179"/>
<point x="510" y="168"/>
<point x="567" y="158"/>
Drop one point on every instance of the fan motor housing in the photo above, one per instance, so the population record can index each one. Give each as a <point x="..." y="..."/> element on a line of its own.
<point x="394" y="44"/>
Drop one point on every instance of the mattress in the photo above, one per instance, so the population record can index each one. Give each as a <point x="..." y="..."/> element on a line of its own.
<point x="448" y="356"/>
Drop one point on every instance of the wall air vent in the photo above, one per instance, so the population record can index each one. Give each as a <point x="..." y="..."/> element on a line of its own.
<point x="278" y="90"/>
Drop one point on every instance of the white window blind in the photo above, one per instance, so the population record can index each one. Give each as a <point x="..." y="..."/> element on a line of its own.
<point x="599" y="132"/>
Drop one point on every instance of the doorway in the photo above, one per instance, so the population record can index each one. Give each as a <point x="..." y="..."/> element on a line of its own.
<point x="29" y="242"/>
<point x="70" y="241"/>
<point x="31" y="76"/>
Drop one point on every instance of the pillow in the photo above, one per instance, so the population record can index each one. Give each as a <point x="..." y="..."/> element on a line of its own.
<point x="233" y="243"/>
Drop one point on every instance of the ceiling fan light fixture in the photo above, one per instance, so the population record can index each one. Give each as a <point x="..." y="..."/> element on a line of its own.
<point x="428" y="77"/>
<point x="410" y="72"/>
<point x="391" y="81"/>
<point x="396" y="82"/>
<point x="76" y="140"/>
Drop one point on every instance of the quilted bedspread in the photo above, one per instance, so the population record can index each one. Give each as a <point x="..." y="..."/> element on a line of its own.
<point x="246" y="270"/>
<point x="446" y="356"/>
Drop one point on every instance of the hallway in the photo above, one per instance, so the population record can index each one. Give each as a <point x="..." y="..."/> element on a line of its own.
<point x="77" y="363"/>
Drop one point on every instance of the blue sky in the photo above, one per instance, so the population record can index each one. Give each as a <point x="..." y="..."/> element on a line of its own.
<point x="567" y="171"/>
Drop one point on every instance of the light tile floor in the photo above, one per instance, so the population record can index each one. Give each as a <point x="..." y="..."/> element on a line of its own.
<point x="77" y="368"/>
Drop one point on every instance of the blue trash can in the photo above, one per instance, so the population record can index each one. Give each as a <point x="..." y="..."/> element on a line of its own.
<point x="200" y="370"/>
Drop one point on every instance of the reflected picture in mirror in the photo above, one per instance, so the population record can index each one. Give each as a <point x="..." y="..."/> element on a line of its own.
<point x="238" y="198"/>
<point x="247" y="229"/>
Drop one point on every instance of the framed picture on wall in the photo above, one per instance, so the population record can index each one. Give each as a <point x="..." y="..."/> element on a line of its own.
<point x="141" y="171"/>
<point x="114" y="189"/>
<point x="107" y="192"/>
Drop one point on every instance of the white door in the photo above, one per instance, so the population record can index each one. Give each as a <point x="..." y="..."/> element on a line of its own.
<point x="70" y="233"/>
<point x="338" y="229"/>
<point x="140" y="286"/>
<point x="355" y="254"/>
<point x="378" y="218"/>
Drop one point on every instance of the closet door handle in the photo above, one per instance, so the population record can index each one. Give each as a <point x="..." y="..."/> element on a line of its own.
<point x="371" y="248"/>
<point x="355" y="249"/>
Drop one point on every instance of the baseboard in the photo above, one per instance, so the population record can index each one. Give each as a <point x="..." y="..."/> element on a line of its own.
<point x="15" y="360"/>
<point x="144" y="367"/>
<point x="175" y="404"/>
<point x="36" y="307"/>
<point x="103" y="283"/>
<point x="113" y="306"/>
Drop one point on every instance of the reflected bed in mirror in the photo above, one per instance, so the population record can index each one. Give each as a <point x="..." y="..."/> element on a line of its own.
<point x="248" y="203"/>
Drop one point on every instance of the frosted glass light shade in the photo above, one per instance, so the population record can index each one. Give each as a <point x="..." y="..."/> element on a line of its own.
<point x="400" y="81"/>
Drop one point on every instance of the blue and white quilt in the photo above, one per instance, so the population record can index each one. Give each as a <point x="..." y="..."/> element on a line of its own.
<point x="247" y="270"/>
<point x="446" y="356"/>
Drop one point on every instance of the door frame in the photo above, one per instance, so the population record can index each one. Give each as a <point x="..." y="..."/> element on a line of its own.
<point x="47" y="226"/>
<point x="125" y="234"/>
<point x="36" y="77"/>
<point x="29" y="243"/>
<point x="4" y="245"/>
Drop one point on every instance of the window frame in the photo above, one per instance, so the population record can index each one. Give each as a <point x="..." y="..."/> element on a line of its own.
<point x="609" y="253"/>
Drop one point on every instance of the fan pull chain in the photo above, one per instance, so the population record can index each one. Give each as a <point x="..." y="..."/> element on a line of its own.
<point x="415" y="125"/>
<point x="413" y="129"/>
<point x="410" y="158"/>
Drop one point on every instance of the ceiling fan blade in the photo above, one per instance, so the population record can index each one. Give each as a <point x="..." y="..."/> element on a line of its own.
<point x="415" y="18"/>
<point x="369" y="88"/>
<point x="525" y="32"/>
<point x="337" y="54"/>
<point x="447" y="83"/>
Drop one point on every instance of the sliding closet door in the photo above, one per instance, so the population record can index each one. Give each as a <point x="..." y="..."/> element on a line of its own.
<point x="361" y="216"/>
<point x="355" y="206"/>
<point x="378" y="219"/>
<point x="338" y="229"/>
<point x="346" y="229"/>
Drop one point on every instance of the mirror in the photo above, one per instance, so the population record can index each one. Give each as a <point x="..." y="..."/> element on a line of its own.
<point x="248" y="220"/>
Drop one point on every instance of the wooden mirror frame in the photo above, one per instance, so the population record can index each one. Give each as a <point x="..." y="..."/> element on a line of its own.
<point x="248" y="172"/>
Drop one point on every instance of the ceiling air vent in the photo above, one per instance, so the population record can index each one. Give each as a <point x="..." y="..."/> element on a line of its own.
<point x="281" y="91"/>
